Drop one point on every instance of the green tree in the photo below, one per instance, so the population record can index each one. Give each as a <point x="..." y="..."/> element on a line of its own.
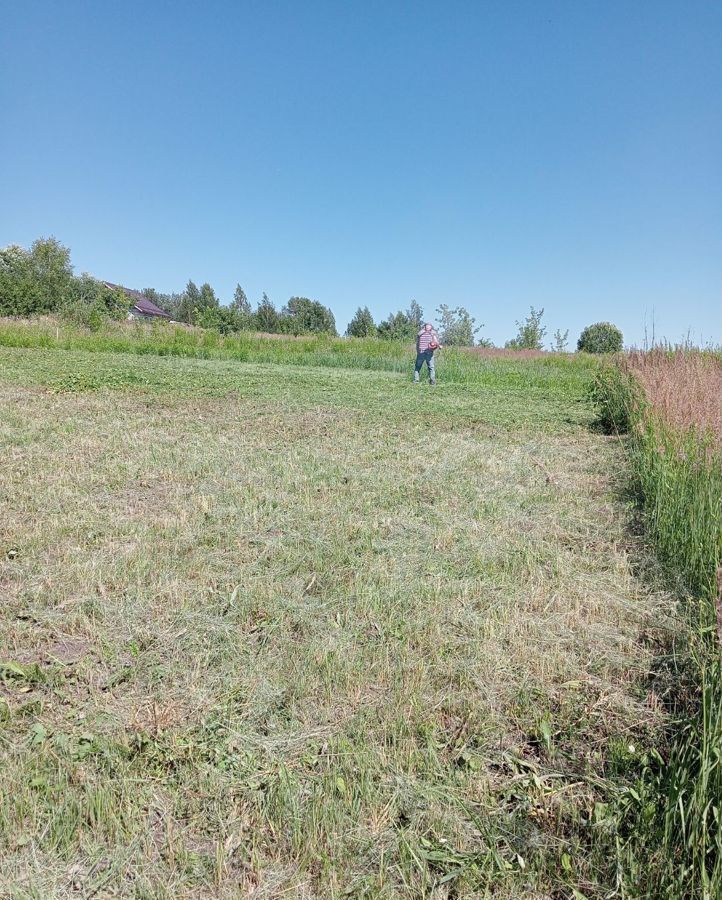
<point x="266" y="316"/>
<point x="561" y="341"/>
<point x="240" y="303"/>
<point x="456" y="326"/>
<point x="207" y="298"/>
<point x="16" y="288"/>
<point x="402" y="325"/>
<point x="188" y="303"/>
<point x="531" y="332"/>
<point x="303" y="316"/>
<point x="172" y="304"/>
<point x="51" y="272"/>
<point x="35" y="281"/>
<point x="362" y="324"/>
<point x="602" y="337"/>
<point x="398" y="327"/>
<point x="415" y="315"/>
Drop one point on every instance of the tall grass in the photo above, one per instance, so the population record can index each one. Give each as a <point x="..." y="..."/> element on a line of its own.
<point x="667" y="404"/>
<point x="163" y="339"/>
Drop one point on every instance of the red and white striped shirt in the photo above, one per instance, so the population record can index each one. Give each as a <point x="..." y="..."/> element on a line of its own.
<point x="424" y="338"/>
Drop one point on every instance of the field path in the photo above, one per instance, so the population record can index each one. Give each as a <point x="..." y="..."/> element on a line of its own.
<point x="269" y="629"/>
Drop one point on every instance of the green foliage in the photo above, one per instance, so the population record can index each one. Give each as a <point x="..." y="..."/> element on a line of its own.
<point x="35" y="281"/>
<point x="266" y="316"/>
<point x="553" y="378"/>
<point x="206" y="298"/>
<point x="303" y="316"/>
<point x="184" y="310"/>
<point x="91" y="304"/>
<point x="397" y="327"/>
<point x="615" y="394"/>
<point x="223" y="319"/>
<point x="674" y="813"/>
<point x="561" y="341"/>
<point x="530" y="335"/>
<point x="362" y="324"/>
<point x="15" y="286"/>
<point x="402" y="325"/>
<point x="415" y="315"/>
<point x="602" y="337"/>
<point x="240" y="303"/>
<point x="456" y="326"/>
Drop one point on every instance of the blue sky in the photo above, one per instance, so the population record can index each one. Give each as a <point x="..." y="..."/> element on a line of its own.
<point x="490" y="154"/>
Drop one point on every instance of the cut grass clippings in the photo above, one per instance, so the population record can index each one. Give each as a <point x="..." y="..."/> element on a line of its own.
<point x="286" y="630"/>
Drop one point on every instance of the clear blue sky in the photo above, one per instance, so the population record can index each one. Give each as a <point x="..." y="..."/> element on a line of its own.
<point x="490" y="154"/>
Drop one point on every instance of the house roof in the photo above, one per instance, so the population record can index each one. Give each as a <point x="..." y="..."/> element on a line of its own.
<point x="140" y="301"/>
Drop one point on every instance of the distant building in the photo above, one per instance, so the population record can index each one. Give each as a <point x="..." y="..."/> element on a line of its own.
<point x="141" y="306"/>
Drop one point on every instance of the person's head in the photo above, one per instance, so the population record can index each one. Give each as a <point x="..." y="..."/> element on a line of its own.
<point x="428" y="326"/>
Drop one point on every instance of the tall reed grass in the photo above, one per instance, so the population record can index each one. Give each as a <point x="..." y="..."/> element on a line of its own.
<point x="667" y="406"/>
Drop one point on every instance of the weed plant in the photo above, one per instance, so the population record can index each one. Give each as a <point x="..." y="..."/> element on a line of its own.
<point x="667" y="405"/>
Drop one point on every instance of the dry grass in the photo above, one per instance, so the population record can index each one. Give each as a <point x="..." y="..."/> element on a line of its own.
<point x="244" y="656"/>
<point x="684" y="387"/>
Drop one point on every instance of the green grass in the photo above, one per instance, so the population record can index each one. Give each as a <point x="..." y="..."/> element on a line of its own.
<point x="676" y="809"/>
<point x="554" y="373"/>
<point x="514" y="393"/>
<point x="312" y="631"/>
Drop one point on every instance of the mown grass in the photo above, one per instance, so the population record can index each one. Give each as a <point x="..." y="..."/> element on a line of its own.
<point x="512" y="395"/>
<point x="302" y="631"/>
<point x="677" y="474"/>
<point x="556" y="372"/>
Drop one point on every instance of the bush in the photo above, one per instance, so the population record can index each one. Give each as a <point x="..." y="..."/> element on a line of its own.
<point x="91" y="304"/>
<point x="530" y="335"/>
<point x="224" y="319"/>
<point x="602" y="337"/>
<point x="457" y="326"/>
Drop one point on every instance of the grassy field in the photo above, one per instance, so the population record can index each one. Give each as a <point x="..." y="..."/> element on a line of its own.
<point x="666" y="407"/>
<point x="161" y="339"/>
<point x="309" y="631"/>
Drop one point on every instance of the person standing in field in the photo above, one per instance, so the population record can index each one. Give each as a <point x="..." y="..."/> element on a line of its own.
<point x="427" y="341"/>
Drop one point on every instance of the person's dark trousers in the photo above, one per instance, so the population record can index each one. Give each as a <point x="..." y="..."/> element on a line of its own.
<point x="427" y="356"/>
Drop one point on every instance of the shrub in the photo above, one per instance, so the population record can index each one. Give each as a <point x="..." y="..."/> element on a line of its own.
<point x="224" y="319"/>
<point x="602" y="337"/>
<point x="561" y="341"/>
<point x="530" y="334"/>
<point x="457" y="326"/>
<point x="91" y="304"/>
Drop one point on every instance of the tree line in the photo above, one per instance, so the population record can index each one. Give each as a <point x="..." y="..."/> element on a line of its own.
<point x="41" y="280"/>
